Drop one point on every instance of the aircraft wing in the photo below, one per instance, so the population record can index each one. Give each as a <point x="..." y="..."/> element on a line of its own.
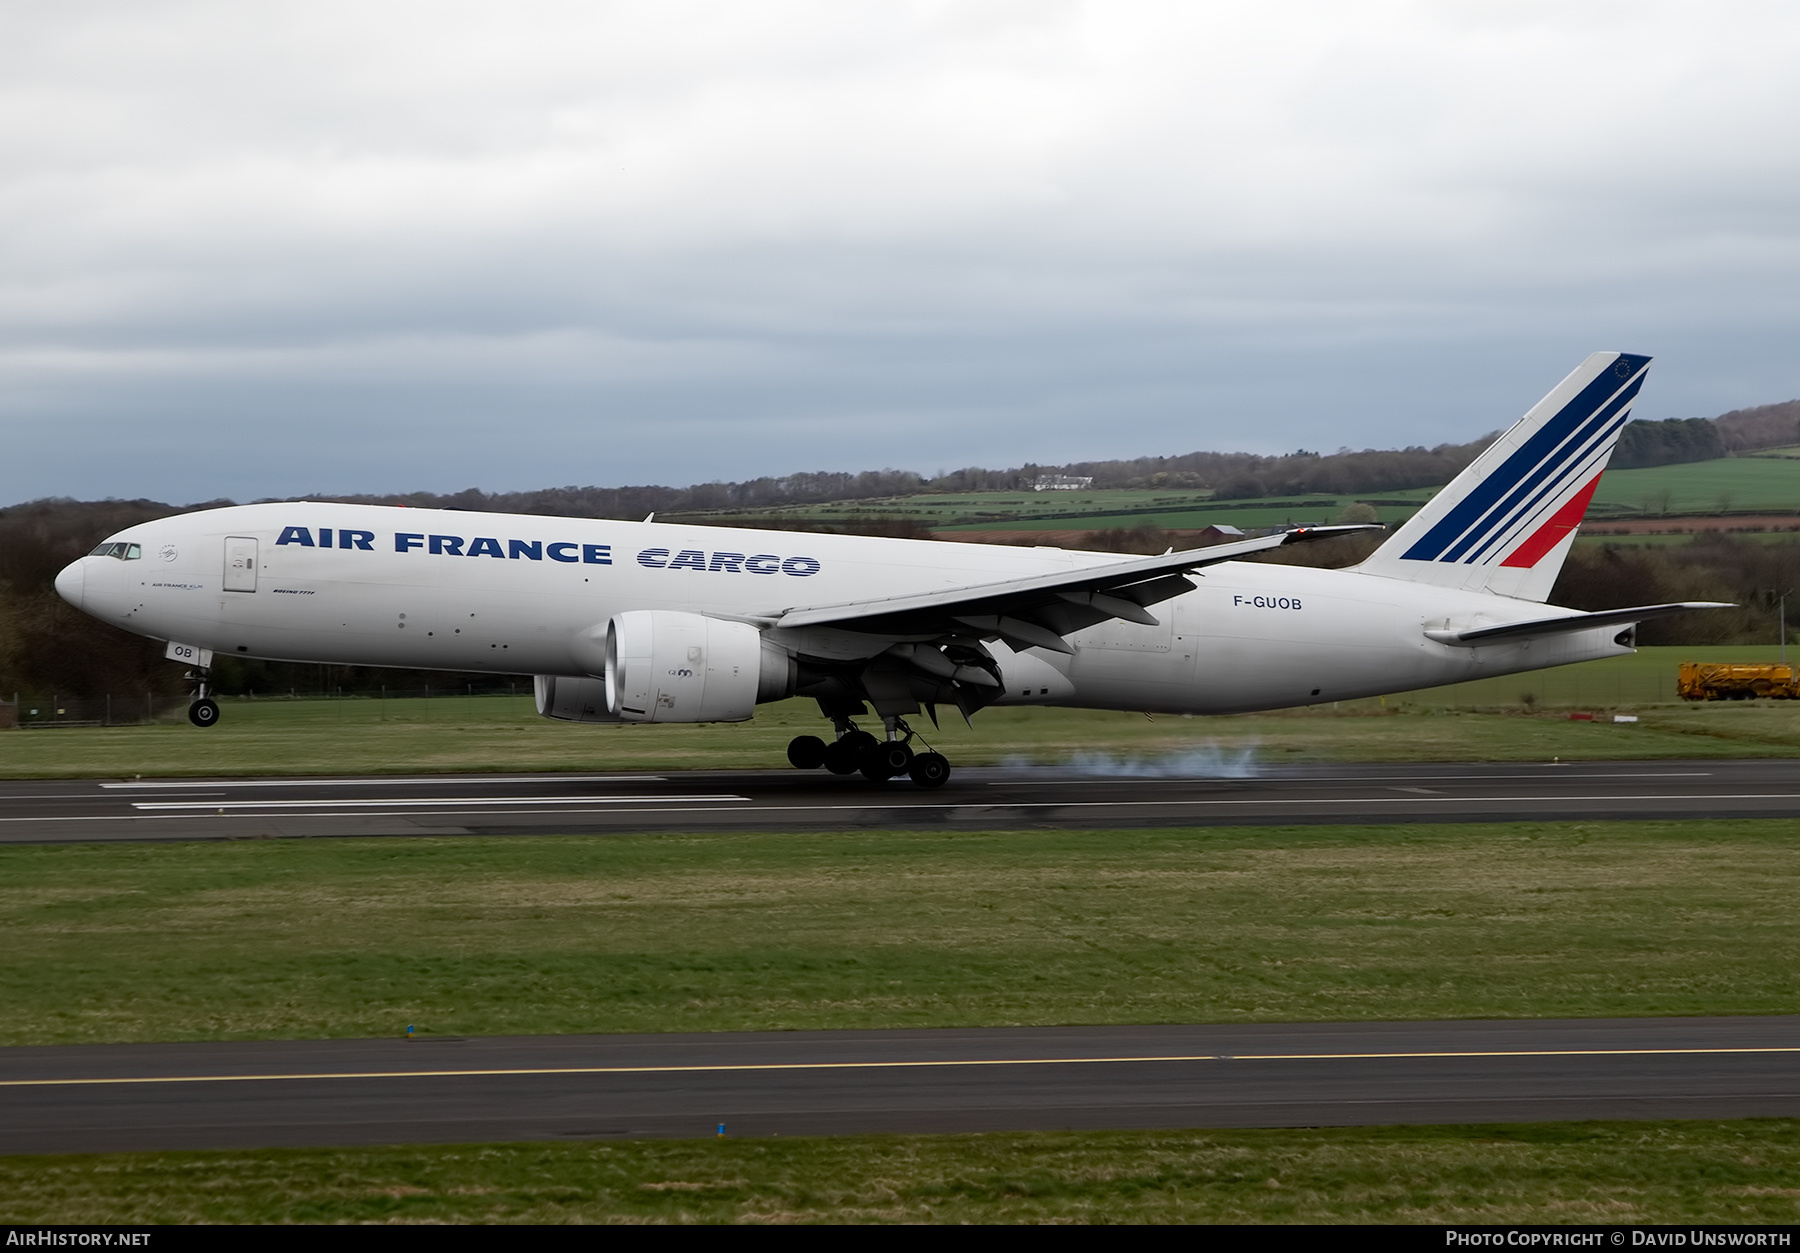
<point x="1572" y="622"/>
<point x="1037" y="612"/>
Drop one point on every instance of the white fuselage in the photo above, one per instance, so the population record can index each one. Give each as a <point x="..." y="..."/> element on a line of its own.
<point x="510" y="593"/>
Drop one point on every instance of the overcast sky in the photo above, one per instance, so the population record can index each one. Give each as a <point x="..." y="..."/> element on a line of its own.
<point x="269" y="249"/>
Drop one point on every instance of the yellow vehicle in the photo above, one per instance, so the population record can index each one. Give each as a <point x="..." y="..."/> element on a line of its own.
<point x="1725" y="680"/>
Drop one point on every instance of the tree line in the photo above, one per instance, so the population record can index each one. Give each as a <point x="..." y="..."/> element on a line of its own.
<point x="1229" y="475"/>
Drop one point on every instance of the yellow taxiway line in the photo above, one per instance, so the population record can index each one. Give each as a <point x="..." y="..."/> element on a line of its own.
<point x="744" y="1067"/>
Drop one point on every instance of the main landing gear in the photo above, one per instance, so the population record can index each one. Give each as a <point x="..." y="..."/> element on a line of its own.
<point x="878" y="760"/>
<point x="204" y="712"/>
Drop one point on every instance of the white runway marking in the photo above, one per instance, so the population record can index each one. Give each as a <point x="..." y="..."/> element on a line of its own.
<point x="386" y="781"/>
<point x="676" y="804"/>
<point x="420" y="801"/>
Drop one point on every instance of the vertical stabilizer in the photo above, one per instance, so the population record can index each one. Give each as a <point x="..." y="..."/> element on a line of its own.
<point x="1505" y="524"/>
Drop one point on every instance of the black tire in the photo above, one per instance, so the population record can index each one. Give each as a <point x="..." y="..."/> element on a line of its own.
<point x="873" y="770"/>
<point x="806" y="752"/>
<point x="930" y="770"/>
<point x="204" y="712"/>
<point x="895" y="756"/>
<point x="843" y="757"/>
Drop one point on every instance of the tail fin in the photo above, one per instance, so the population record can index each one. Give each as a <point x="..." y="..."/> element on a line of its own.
<point x="1506" y="523"/>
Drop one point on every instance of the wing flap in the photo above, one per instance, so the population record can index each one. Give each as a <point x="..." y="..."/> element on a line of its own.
<point x="1115" y="606"/>
<point x="1019" y="635"/>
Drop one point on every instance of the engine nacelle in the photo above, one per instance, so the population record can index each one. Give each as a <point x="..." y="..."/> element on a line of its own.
<point x="572" y="698"/>
<point x="663" y="665"/>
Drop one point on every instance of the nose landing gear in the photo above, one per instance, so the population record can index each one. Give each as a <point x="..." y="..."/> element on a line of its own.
<point x="204" y="711"/>
<point x="878" y="760"/>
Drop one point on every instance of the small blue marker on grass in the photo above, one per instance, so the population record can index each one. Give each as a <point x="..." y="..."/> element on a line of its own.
<point x="409" y="1031"/>
<point x="721" y="1131"/>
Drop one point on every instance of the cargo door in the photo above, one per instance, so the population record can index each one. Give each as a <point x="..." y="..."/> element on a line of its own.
<point x="240" y="563"/>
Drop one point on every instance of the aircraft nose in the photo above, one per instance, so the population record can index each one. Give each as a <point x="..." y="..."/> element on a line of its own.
<point x="72" y="583"/>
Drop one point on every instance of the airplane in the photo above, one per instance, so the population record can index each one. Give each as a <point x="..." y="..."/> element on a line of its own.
<point x="662" y="622"/>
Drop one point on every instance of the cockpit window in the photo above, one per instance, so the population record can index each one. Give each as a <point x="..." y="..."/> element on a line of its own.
<point x="124" y="552"/>
<point x="133" y="552"/>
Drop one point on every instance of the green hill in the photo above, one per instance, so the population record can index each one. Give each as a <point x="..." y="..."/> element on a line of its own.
<point x="1761" y="483"/>
<point x="1728" y="485"/>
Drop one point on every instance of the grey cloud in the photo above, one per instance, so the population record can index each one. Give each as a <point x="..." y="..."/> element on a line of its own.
<point x="339" y="248"/>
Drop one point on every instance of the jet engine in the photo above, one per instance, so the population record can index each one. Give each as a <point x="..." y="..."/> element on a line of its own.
<point x="662" y="665"/>
<point x="572" y="698"/>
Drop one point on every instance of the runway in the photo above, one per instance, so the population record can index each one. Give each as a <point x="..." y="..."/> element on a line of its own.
<point x="350" y="1092"/>
<point x="347" y="1092"/>
<point x="601" y="803"/>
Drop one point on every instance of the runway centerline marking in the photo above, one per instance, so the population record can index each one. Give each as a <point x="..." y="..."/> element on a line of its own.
<point x="198" y="808"/>
<point x="923" y="1064"/>
<point x="417" y="801"/>
<point x="392" y="781"/>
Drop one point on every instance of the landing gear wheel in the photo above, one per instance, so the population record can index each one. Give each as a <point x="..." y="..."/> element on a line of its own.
<point x="843" y="757"/>
<point x="204" y="712"/>
<point x="930" y="770"/>
<point x="806" y="752"/>
<point x="884" y="761"/>
<point x="845" y="754"/>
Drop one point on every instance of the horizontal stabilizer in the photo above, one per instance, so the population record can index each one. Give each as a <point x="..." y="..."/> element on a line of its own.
<point x="1573" y="622"/>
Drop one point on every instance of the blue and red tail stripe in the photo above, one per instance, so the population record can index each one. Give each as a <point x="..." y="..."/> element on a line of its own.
<point x="1553" y="532"/>
<point x="1562" y="452"/>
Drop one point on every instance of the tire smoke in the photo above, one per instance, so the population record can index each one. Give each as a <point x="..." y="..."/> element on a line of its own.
<point x="1207" y="761"/>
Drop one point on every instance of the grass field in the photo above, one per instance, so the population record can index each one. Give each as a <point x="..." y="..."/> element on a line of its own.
<point x="1311" y="510"/>
<point x="937" y="509"/>
<point x="1624" y="1173"/>
<point x="1644" y="678"/>
<point x="1723" y="486"/>
<point x="1093" y="510"/>
<point x="485" y="936"/>
<point x="1728" y="485"/>
<point x="1485" y="720"/>
<point x="1731" y="484"/>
